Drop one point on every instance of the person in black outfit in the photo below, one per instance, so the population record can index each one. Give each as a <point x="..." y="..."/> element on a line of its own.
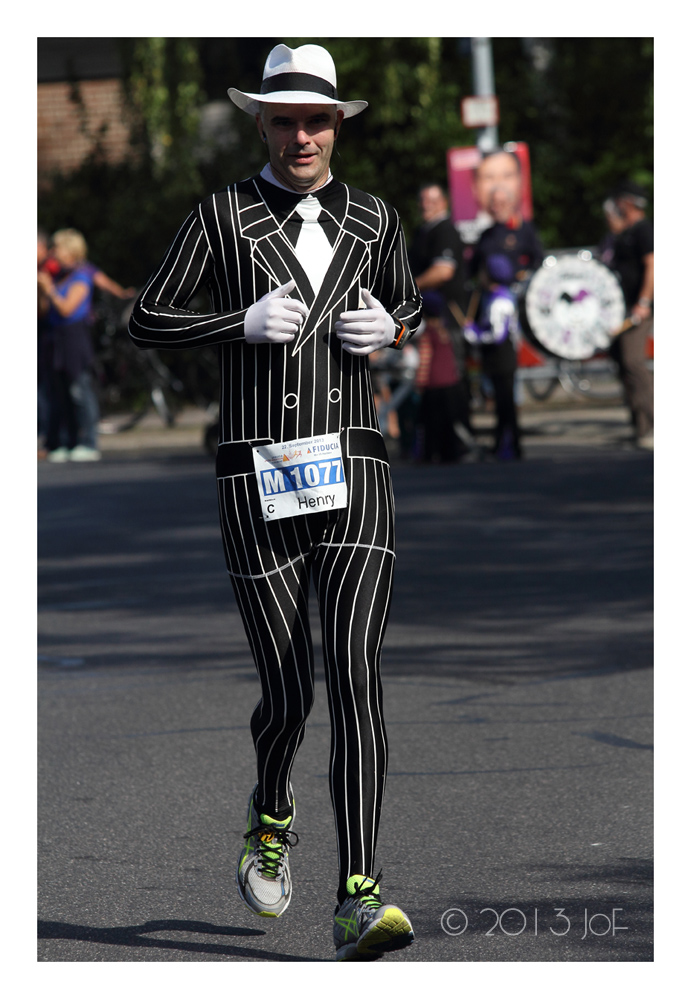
<point x="511" y="235"/>
<point x="615" y="224"/>
<point x="437" y="263"/>
<point x="494" y="332"/>
<point x="515" y="241"/>
<point x="633" y="261"/>
<point x="436" y="251"/>
<point x="307" y="277"/>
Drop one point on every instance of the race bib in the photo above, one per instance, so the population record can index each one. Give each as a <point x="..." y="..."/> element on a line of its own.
<point x="302" y="476"/>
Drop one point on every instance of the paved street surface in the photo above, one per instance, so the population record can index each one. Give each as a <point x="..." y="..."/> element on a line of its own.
<point x="517" y="824"/>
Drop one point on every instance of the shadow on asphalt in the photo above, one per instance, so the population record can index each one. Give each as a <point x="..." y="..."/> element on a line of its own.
<point x="526" y="571"/>
<point x="136" y="936"/>
<point x="506" y="573"/>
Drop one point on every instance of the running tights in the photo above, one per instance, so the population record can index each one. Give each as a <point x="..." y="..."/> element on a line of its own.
<point x="349" y="554"/>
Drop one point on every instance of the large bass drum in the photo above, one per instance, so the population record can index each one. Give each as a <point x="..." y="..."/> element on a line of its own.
<point x="572" y="306"/>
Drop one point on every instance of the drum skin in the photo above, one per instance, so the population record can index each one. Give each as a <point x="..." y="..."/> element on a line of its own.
<point x="572" y="306"/>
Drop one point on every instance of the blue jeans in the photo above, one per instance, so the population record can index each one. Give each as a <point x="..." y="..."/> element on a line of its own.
<point x="74" y="412"/>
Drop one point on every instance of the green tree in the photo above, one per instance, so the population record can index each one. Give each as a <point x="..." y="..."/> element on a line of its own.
<point x="131" y="210"/>
<point x="585" y="108"/>
<point x="163" y="85"/>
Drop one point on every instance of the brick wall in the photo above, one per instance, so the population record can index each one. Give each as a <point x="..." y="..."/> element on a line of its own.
<point x="62" y="144"/>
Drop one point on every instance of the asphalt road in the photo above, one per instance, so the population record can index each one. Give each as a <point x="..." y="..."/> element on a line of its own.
<point x="518" y="698"/>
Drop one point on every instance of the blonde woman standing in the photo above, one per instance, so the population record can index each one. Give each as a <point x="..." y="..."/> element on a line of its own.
<point x="68" y="352"/>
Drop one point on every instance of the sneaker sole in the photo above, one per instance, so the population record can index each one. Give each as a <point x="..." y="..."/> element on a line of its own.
<point x="392" y="932"/>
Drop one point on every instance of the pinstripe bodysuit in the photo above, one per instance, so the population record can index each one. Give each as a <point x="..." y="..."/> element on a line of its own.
<point x="240" y="244"/>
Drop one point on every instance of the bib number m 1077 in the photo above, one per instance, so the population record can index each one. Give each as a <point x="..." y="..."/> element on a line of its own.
<point x="301" y="476"/>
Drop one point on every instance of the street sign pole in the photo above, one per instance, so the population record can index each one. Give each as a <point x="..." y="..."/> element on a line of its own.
<point x="483" y="85"/>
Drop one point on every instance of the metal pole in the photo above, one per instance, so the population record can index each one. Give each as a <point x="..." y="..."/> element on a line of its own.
<point x="483" y="85"/>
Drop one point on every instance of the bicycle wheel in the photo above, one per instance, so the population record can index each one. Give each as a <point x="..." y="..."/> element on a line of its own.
<point x="541" y="389"/>
<point x="602" y="385"/>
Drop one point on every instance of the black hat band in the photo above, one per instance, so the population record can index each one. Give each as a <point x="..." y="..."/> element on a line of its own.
<point x="299" y="81"/>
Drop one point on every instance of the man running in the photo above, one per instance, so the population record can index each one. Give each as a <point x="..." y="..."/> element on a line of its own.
<point x="307" y="276"/>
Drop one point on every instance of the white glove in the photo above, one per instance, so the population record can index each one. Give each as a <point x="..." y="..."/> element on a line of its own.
<point x="275" y="318"/>
<point x="366" y="330"/>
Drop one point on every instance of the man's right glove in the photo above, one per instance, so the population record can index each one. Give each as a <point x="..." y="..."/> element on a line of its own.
<point x="275" y="318"/>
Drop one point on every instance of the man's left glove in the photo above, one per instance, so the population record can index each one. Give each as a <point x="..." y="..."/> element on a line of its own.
<point x="366" y="330"/>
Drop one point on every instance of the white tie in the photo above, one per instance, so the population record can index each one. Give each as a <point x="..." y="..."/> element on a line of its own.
<point x="313" y="249"/>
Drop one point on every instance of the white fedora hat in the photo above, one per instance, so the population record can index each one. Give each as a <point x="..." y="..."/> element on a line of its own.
<point x="306" y="75"/>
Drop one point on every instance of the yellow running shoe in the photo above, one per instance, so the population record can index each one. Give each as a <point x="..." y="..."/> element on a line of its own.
<point x="263" y="873"/>
<point x="365" y="928"/>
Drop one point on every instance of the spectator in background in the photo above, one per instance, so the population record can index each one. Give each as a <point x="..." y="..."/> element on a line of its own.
<point x="439" y="382"/>
<point x="516" y="241"/>
<point x="436" y="251"/>
<point x="615" y="224"/>
<point x="47" y="265"/>
<point x="497" y="169"/>
<point x="495" y="332"/>
<point x="436" y="261"/>
<point x="633" y="261"/>
<point x="47" y="262"/>
<point x="498" y="185"/>
<point x="67" y="352"/>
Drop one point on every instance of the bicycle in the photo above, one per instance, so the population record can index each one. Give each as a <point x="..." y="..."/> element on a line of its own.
<point x="139" y="380"/>
<point x="595" y="378"/>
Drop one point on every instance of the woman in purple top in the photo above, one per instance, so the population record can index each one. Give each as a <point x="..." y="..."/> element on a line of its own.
<point x="68" y="352"/>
